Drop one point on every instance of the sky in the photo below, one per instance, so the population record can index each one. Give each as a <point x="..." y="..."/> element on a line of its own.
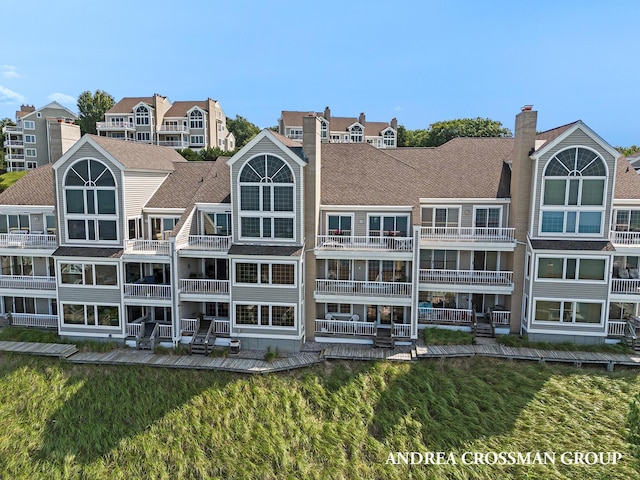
<point x="420" y="61"/>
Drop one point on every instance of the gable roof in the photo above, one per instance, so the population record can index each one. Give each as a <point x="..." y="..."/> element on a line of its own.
<point x="180" y="108"/>
<point x="126" y="104"/>
<point x="627" y="185"/>
<point x="37" y="187"/>
<point x="550" y="135"/>
<point x="141" y="156"/>
<point x="336" y="124"/>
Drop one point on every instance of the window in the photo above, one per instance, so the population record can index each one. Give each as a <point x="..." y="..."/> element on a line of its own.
<point x="339" y="224"/>
<point x="31" y="152"/>
<point x="556" y="268"/>
<point x="339" y="269"/>
<point x="29" y="139"/>
<point x="14" y="223"/>
<point x="17" y="265"/>
<point x="335" y="138"/>
<point x="266" y="186"/>
<point x="50" y="221"/>
<point x="389" y="138"/>
<point x="440" y="216"/>
<point x="196" y="119"/>
<point x="295" y="133"/>
<point x="142" y="115"/>
<point x="323" y="129"/>
<point x="117" y="121"/>
<point x="487" y="217"/>
<point x="621" y="311"/>
<point x="29" y="125"/>
<point x="386" y="271"/>
<point x="266" y="273"/>
<point x="563" y="311"/>
<point x="196" y="139"/>
<point x="90" y="202"/>
<point x="627" y="221"/>
<point x="88" y="274"/>
<point x="573" y="198"/>
<point x="143" y="136"/>
<point x="160" y="226"/>
<point x="439" y="259"/>
<point x="134" y="228"/>
<point x="266" y="315"/>
<point x="91" y="315"/>
<point x="356" y="134"/>
<point x="344" y="308"/>
<point x="32" y="165"/>
<point x="216" y="224"/>
<point x="389" y="226"/>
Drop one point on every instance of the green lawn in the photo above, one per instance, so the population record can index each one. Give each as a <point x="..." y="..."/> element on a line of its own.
<point x="9" y="178"/>
<point x="340" y="420"/>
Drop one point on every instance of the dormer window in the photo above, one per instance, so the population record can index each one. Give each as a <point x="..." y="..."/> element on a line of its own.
<point x="356" y="134"/>
<point x="142" y="115"/>
<point x="574" y="186"/>
<point x="389" y="138"/>
<point x="323" y="129"/>
<point x="196" y="119"/>
<point x="90" y="202"/>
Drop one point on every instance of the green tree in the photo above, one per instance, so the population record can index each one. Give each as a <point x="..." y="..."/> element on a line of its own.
<point x="189" y="154"/>
<point x="439" y="133"/>
<point x="242" y="129"/>
<point x="209" y="154"/>
<point x="3" y="123"/>
<point x="92" y="109"/>
<point x="626" y="151"/>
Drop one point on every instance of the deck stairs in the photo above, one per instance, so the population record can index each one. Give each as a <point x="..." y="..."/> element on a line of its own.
<point x="148" y="337"/>
<point x="383" y="338"/>
<point x="204" y="339"/>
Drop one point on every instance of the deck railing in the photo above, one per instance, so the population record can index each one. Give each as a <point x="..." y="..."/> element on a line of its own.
<point x="466" y="277"/>
<point x="37" y="320"/>
<point x="217" y="287"/>
<point x="375" y="243"/>
<point x="172" y="128"/>
<point x="501" y="318"/>
<point x="616" y="328"/>
<point x="27" y="240"/>
<point x="363" y="289"/>
<point x="134" y="329"/>
<point x="222" y="327"/>
<point x="115" y="126"/>
<point x="173" y="143"/>
<point x="147" y="247"/>
<point x="208" y="242"/>
<point x="27" y="281"/>
<point x="445" y="315"/>
<point x="471" y="234"/>
<point x="165" y="331"/>
<point x="401" y="330"/>
<point x="625" y="238"/>
<point x="345" y="327"/>
<point x="188" y="326"/>
<point x="626" y="286"/>
<point x="145" y="290"/>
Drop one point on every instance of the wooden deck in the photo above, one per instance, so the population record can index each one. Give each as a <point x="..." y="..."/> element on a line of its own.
<point x="60" y="350"/>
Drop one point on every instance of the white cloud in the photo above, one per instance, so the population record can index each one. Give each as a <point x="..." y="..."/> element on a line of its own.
<point x="7" y="95"/>
<point x="62" y="98"/>
<point x="9" y="71"/>
<point x="397" y="108"/>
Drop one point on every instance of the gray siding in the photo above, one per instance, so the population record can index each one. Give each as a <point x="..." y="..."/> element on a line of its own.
<point x="138" y="189"/>
<point x="264" y="294"/>
<point x="265" y="146"/>
<point x="88" y="151"/>
<point x="570" y="290"/>
<point x="578" y="138"/>
<point x="70" y="294"/>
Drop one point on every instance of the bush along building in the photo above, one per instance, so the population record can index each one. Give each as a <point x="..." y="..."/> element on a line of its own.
<point x="288" y="241"/>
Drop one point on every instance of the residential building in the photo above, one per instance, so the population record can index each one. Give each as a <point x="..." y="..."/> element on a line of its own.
<point x="290" y="241"/>
<point x="155" y="120"/>
<point x="39" y="137"/>
<point x="341" y="129"/>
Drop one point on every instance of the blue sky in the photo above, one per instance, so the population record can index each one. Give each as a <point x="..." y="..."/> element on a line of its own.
<point x="419" y="61"/>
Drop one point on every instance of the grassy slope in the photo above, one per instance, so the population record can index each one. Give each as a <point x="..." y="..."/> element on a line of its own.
<point x="9" y="178"/>
<point x="73" y="421"/>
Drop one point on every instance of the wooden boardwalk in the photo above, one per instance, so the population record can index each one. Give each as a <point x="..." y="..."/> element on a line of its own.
<point x="60" y="350"/>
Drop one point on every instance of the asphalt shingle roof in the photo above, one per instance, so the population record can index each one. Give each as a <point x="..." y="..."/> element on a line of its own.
<point x="37" y="187"/>
<point x="139" y="155"/>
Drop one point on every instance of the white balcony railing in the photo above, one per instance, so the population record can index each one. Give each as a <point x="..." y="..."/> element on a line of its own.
<point x="147" y="247"/>
<point x="37" y="320"/>
<point x="401" y="330"/>
<point x="14" y="156"/>
<point x="27" y="240"/>
<point x="345" y="327"/>
<point x="134" y="329"/>
<point x="216" y="287"/>
<point x="188" y="325"/>
<point x="626" y="286"/>
<point x="172" y="128"/>
<point x="363" y="243"/>
<point x="222" y="327"/>
<point x="173" y="143"/>
<point x="115" y="126"/>
<point x="625" y="238"/>
<point x="500" y="318"/>
<point x="165" y="330"/>
<point x="468" y="234"/>
<point x="145" y="290"/>
<point x="445" y="315"/>
<point x="363" y="289"/>
<point x="13" y="143"/>
<point x="208" y="242"/>
<point x="616" y="328"/>
<point x="466" y="277"/>
<point x="28" y="282"/>
<point x="11" y="129"/>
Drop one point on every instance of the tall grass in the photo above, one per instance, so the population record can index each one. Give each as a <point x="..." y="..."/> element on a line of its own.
<point x="341" y="420"/>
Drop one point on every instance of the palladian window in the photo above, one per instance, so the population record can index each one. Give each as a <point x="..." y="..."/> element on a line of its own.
<point x="356" y="134"/>
<point x="574" y="187"/>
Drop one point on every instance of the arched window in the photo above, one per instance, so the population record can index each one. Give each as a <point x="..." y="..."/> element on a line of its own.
<point x="389" y="138"/>
<point x="90" y="202"/>
<point x="196" y="119"/>
<point x="573" y="198"/>
<point x="266" y="199"/>
<point x="323" y="129"/>
<point x="356" y="134"/>
<point x="142" y="115"/>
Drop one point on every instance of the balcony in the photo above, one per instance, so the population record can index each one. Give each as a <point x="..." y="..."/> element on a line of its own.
<point x="616" y="328"/>
<point x="27" y="240"/>
<point x="14" y="143"/>
<point x="221" y="326"/>
<point x="28" y="282"/>
<point x="363" y="289"/>
<point x="115" y="126"/>
<point x="212" y="243"/>
<point x="345" y="327"/>
<point x="467" y="277"/>
<point x="467" y="234"/>
<point x="445" y="316"/>
<point x="168" y="128"/>
<point x="147" y="247"/>
<point x="173" y="143"/>
<point x="204" y="286"/>
<point x="629" y="286"/>
<point x="36" y="320"/>
<point x="625" y="239"/>
<point x="14" y="156"/>
<point x="364" y="243"/>
<point x="11" y="129"/>
<point x="147" y="291"/>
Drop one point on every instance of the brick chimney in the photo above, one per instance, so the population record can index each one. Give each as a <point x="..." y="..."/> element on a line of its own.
<point x="394" y="123"/>
<point x="362" y="120"/>
<point x="327" y="116"/>
<point x="520" y="209"/>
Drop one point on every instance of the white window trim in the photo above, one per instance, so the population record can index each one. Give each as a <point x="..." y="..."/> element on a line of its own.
<point x="27" y="152"/>
<point x="602" y="233"/>
<point x="258" y="305"/>
<point x="29" y="125"/>
<point x="235" y="283"/>
<point x="61" y="305"/>
<point x="603" y="313"/>
<point x="433" y="216"/>
<point x="389" y="214"/>
<point x="339" y="214"/>
<point x="564" y="259"/>
<point x="84" y="285"/>
<point x="487" y="207"/>
<point x="30" y="135"/>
